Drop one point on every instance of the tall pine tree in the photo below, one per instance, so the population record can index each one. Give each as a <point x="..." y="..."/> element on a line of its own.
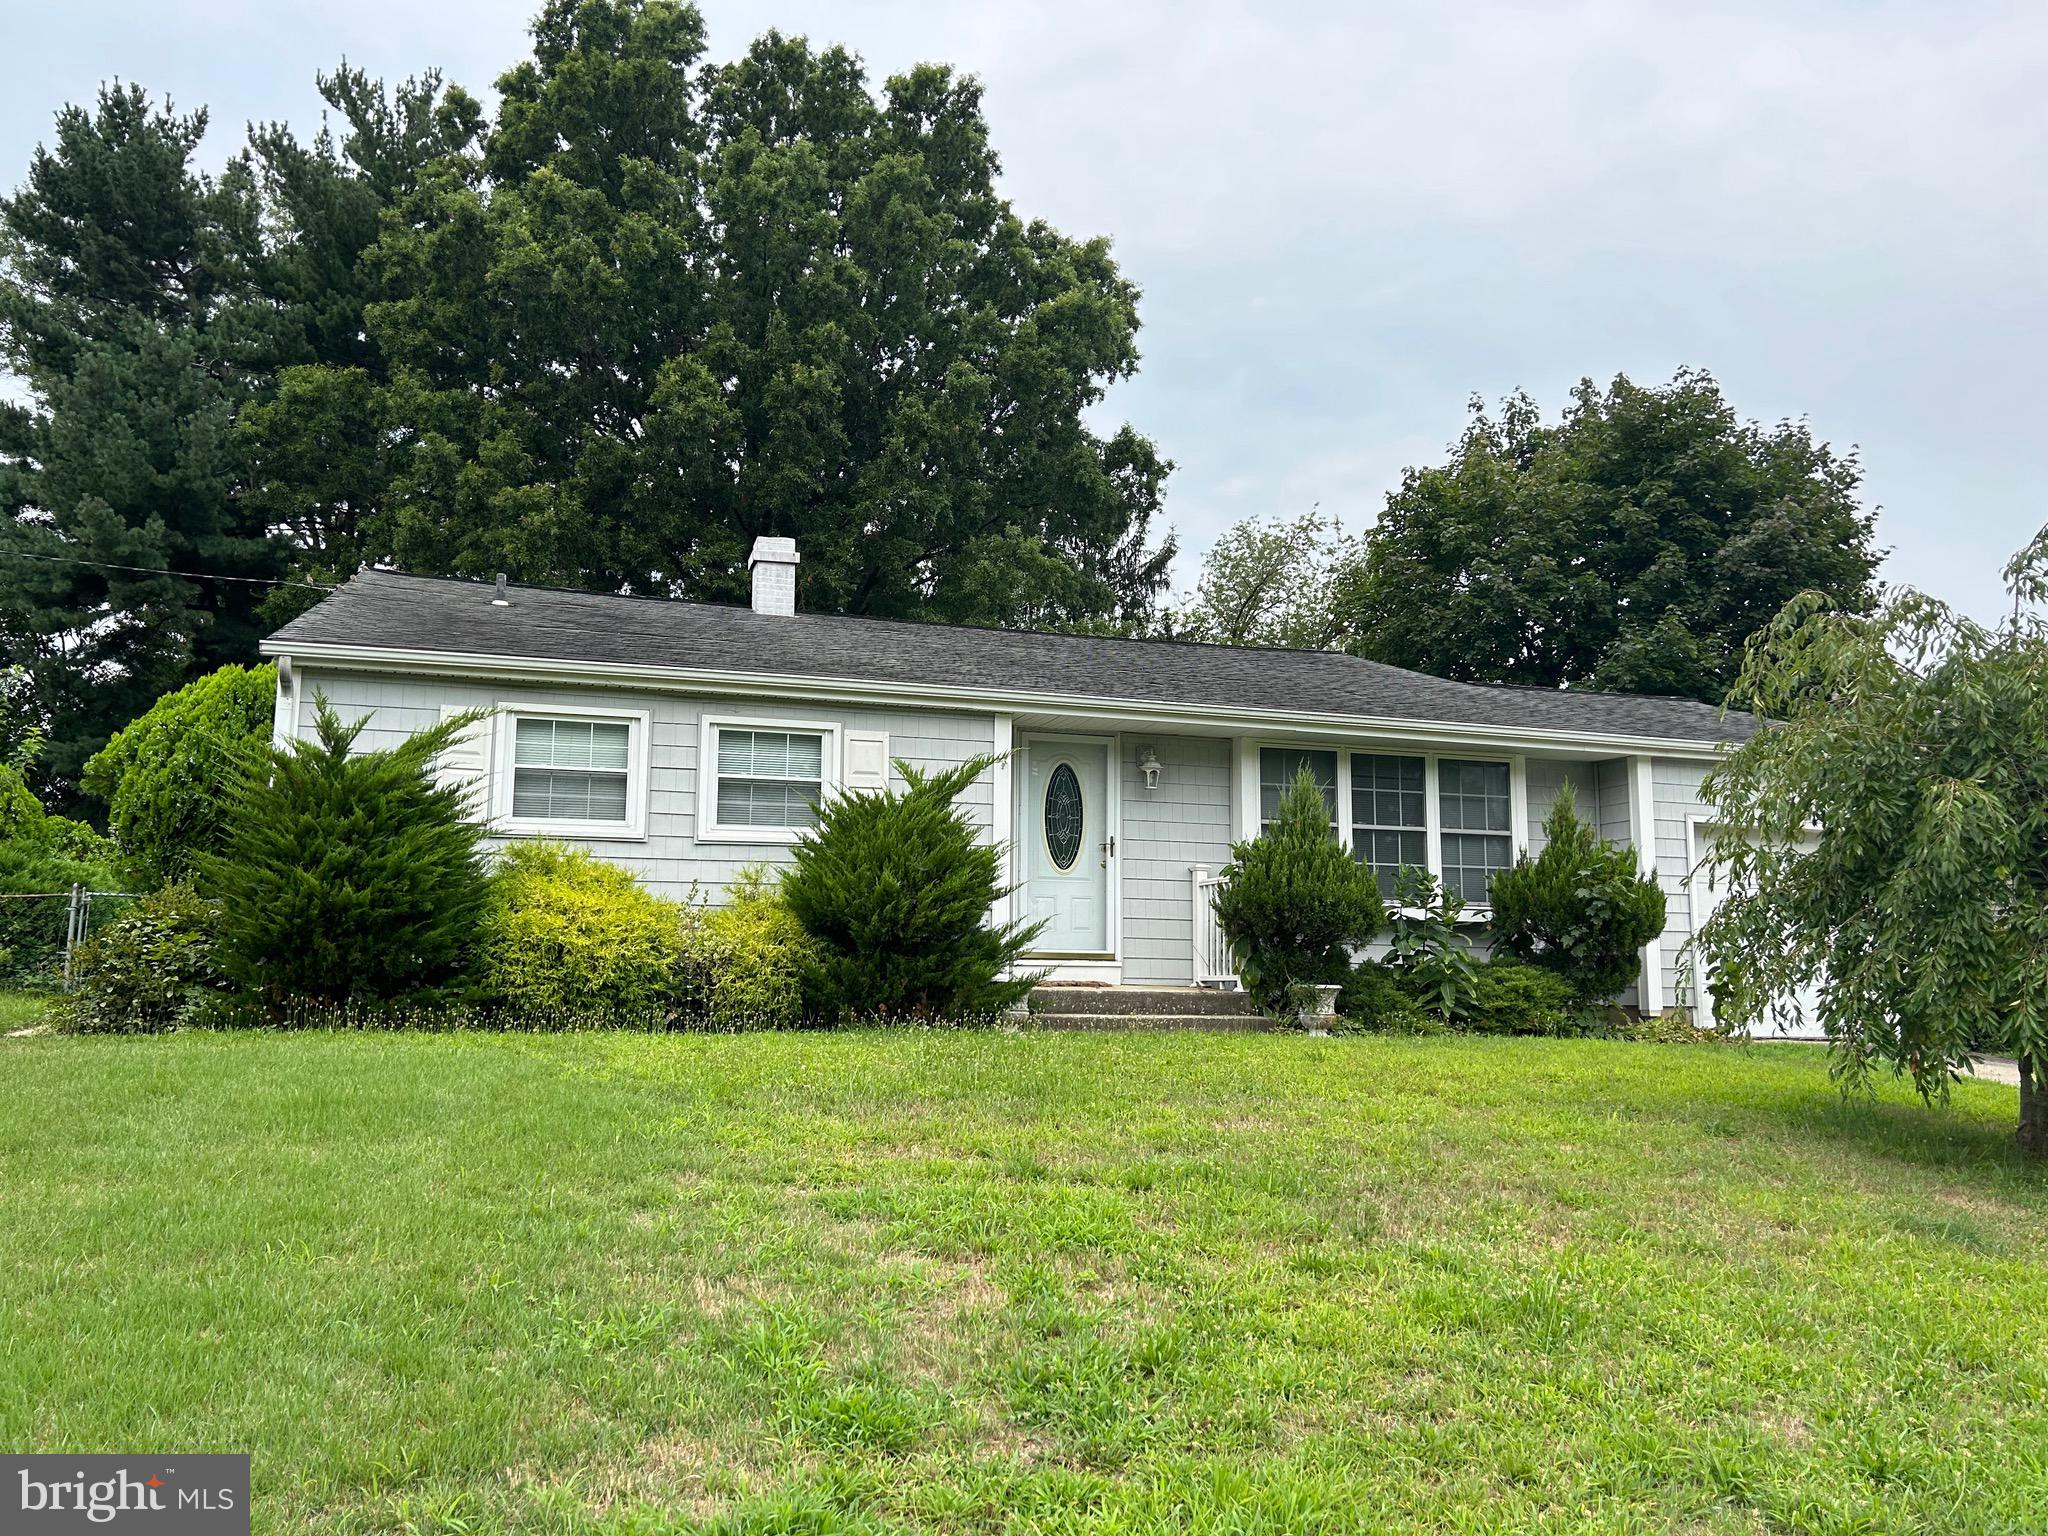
<point x="129" y="309"/>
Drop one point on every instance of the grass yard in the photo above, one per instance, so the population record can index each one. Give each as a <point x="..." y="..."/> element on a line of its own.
<point x="787" y="1283"/>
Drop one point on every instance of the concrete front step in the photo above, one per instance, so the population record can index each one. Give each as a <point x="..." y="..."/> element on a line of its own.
<point x="1141" y="1002"/>
<point x="1226" y="1023"/>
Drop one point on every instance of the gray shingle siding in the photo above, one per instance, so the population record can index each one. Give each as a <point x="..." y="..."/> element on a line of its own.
<point x="670" y="860"/>
<point x="383" y="610"/>
<point x="1675" y="800"/>
<point x="1166" y="831"/>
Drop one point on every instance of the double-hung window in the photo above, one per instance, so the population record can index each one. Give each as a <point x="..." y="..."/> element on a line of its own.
<point x="1389" y="815"/>
<point x="1477" y="816"/>
<point x="576" y="773"/>
<point x="764" y="782"/>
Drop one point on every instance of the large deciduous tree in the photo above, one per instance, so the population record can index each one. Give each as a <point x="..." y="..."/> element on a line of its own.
<point x="128" y="309"/>
<point x="1272" y="582"/>
<point x="1633" y="545"/>
<point x="670" y="306"/>
<point x="1896" y="847"/>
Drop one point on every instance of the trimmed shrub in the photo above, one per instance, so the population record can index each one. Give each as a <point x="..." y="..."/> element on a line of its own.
<point x="41" y="853"/>
<point x="1294" y="903"/>
<point x="744" y="963"/>
<point x="347" y="878"/>
<point x="1580" y="908"/>
<point x="150" y="969"/>
<point x="570" y="941"/>
<point x="1375" y="999"/>
<point x="896" y="887"/>
<point x="165" y="775"/>
<point x="1511" y="998"/>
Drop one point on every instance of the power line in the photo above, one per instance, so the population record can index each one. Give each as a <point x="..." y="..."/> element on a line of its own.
<point x="156" y="570"/>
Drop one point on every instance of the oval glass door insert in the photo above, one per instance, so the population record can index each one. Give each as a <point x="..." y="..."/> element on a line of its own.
<point x="1064" y="816"/>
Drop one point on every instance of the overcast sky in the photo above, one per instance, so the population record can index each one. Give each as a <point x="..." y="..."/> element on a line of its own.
<point x="1346" y="220"/>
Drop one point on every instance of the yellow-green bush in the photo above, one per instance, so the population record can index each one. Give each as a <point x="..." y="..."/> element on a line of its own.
<point x="744" y="962"/>
<point x="571" y="942"/>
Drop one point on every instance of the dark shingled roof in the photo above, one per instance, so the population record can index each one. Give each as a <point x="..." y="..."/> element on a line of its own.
<point x="384" y="610"/>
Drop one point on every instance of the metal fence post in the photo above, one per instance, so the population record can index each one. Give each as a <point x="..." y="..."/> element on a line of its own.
<point x="71" y="924"/>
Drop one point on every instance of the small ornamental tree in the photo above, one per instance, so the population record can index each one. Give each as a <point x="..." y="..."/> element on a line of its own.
<point x="164" y="776"/>
<point x="896" y="887"/>
<point x="1581" y="907"/>
<point x="347" y="877"/>
<point x="1896" y="837"/>
<point x="1293" y="903"/>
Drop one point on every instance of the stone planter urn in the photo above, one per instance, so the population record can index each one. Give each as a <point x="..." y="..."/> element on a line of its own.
<point x="1316" y="1007"/>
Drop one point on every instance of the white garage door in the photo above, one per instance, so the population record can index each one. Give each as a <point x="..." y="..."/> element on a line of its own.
<point x="1707" y="890"/>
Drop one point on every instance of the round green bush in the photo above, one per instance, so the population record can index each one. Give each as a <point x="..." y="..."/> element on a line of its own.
<point x="150" y="969"/>
<point x="165" y="776"/>
<point x="572" y="942"/>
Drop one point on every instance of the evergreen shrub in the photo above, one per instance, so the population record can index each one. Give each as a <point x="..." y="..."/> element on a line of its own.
<point x="1294" y="903"/>
<point x="895" y="886"/>
<point x="572" y="942"/>
<point x="347" y="878"/>
<point x="1581" y="907"/>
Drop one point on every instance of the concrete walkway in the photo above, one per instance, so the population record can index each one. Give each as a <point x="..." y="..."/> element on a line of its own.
<point x="1996" y="1069"/>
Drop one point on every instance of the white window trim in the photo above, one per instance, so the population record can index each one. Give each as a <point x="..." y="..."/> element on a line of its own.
<point x="632" y="830"/>
<point x="1432" y="809"/>
<point x="709" y="830"/>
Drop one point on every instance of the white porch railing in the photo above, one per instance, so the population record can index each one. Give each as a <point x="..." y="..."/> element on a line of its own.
<point x="1214" y="964"/>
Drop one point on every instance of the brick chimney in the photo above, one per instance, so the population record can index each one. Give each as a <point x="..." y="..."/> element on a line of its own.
<point x="773" y="565"/>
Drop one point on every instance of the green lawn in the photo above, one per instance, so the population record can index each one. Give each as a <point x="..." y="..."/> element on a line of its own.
<point x="19" y="1010"/>
<point x="1025" y="1283"/>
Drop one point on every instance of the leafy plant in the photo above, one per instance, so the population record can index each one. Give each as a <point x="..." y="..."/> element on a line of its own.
<point x="1581" y="908"/>
<point x="1293" y="903"/>
<point x="152" y="967"/>
<point x="347" y="877"/>
<point x="570" y="941"/>
<point x="164" y="776"/>
<point x="896" y="888"/>
<point x="1895" y="837"/>
<point x="744" y="963"/>
<point x="1430" y="950"/>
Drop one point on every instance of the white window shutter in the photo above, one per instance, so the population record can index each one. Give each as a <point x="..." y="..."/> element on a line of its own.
<point x="867" y="759"/>
<point x="465" y="763"/>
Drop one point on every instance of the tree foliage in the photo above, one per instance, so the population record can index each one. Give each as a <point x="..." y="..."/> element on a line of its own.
<point x="347" y="877"/>
<point x="1896" y="853"/>
<point x="1632" y="546"/>
<point x="668" y="306"/>
<point x="128" y="309"/>
<point x="896" y="887"/>
<point x="1272" y="582"/>
<point x="1294" y="903"/>
<point x="164" y="777"/>
<point x="1582" y="907"/>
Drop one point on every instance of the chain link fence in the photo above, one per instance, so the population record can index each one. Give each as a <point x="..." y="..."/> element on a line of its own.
<point x="40" y="932"/>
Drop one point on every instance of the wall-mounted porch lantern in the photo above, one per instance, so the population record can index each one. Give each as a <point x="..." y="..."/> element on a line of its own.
<point x="1148" y="764"/>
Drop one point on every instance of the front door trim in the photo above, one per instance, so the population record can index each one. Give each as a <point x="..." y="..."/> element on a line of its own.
<point x="1094" y="966"/>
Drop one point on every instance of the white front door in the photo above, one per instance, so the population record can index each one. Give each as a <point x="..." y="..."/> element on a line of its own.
<point x="1069" y="837"/>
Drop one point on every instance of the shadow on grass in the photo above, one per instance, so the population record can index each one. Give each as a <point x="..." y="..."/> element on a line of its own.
<point x="1945" y="1138"/>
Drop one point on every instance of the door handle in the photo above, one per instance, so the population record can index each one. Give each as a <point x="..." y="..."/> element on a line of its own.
<point x="1109" y="850"/>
